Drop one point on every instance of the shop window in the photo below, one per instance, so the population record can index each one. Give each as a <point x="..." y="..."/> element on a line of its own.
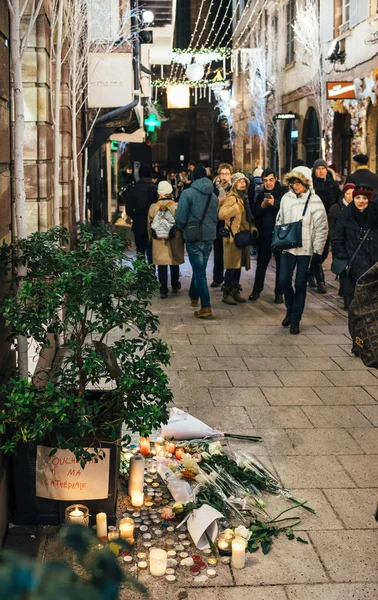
<point x="290" y="18"/>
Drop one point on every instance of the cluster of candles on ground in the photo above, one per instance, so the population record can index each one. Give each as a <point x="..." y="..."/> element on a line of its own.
<point x="143" y="515"/>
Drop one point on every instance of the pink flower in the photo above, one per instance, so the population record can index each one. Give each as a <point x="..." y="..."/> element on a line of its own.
<point x="167" y="513"/>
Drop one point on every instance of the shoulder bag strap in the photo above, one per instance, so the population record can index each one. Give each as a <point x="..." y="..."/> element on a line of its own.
<point x="358" y="248"/>
<point x="206" y="208"/>
<point x="306" y="205"/>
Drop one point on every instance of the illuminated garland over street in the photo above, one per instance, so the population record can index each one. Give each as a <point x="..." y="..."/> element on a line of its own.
<point x="204" y="56"/>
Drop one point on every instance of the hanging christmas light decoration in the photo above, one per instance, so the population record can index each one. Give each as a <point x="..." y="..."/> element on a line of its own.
<point x="195" y="72"/>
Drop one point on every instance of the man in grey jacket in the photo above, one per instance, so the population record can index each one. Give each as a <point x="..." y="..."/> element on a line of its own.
<point x="191" y="208"/>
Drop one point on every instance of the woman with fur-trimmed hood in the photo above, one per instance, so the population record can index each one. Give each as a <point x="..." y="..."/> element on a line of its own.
<point x="314" y="237"/>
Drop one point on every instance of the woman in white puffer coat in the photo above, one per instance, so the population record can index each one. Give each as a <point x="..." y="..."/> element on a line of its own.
<point x="314" y="237"/>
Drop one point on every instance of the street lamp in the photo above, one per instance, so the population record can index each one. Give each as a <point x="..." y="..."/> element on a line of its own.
<point x="148" y="16"/>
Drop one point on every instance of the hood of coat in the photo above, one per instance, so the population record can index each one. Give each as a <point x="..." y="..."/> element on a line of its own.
<point x="203" y="185"/>
<point x="304" y="174"/>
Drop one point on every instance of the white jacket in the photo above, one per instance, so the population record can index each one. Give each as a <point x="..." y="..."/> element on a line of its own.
<point x="315" y="222"/>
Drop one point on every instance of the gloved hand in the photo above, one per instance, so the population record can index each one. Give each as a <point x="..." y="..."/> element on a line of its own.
<point x="316" y="259"/>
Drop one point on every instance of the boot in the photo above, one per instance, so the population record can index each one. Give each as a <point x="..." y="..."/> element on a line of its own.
<point x="236" y="289"/>
<point x="319" y="276"/>
<point x="311" y="281"/>
<point x="227" y="296"/>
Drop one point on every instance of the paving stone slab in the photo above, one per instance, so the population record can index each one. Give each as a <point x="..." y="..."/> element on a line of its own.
<point x="351" y="378"/>
<point x="268" y="364"/>
<point x="322" y="350"/>
<point x="372" y="390"/>
<point x="239" y="593"/>
<point x="238" y="350"/>
<point x="193" y="350"/>
<point x="182" y="328"/>
<point x="276" y="417"/>
<point x="362" y="469"/>
<point x="348" y="556"/>
<point x="184" y="363"/>
<point x="304" y="379"/>
<point x="335" y="416"/>
<point x="355" y="507"/>
<point x="231" y="339"/>
<point x="367" y="438"/>
<point x="291" y="396"/>
<point x="238" y="396"/>
<point x="371" y="413"/>
<point x="313" y="364"/>
<point x="186" y="395"/>
<point x="317" y="442"/>
<point x="222" y="363"/>
<point x="205" y="378"/>
<point x="222" y="418"/>
<point x="333" y="591"/>
<point x="249" y="379"/>
<point x="273" y="442"/>
<point x="280" y="351"/>
<point x="344" y="395"/>
<point x="350" y="363"/>
<point x="288" y="562"/>
<point x="329" y="339"/>
<point x="311" y="472"/>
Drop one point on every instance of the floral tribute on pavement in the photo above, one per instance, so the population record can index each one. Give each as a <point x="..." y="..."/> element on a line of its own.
<point x="195" y="506"/>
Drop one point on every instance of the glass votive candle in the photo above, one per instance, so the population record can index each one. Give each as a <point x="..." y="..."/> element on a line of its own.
<point x="225" y="545"/>
<point x="113" y="534"/>
<point x="238" y="553"/>
<point x="179" y="453"/>
<point x="126" y="528"/>
<point x="137" y="498"/>
<point x="170" y="447"/>
<point x="77" y="514"/>
<point x="158" y="562"/>
<point x="145" y="446"/>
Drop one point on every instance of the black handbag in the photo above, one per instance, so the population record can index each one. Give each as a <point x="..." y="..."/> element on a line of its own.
<point x="193" y="229"/>
<point x="289" y="235"/>
<point x="243" y="239"/>
<point x="342" y="265"/>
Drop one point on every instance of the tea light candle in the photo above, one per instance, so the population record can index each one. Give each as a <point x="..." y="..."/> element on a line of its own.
<point x="137" y="498"/>
<point x="126" y="528"/>
<point x="158" y="562"/>
<point x="101" y="525"/>
<point x="136" y="474"/>
<point x="170" y="447"/>
<point x="113" y="535"/>
<point x="145" y="446"/>
<point x="238" y="553"/>
<point x="179" y="453"/>
<point x="77" y="514"/>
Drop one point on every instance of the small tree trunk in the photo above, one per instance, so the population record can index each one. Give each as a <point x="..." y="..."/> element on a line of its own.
<point x="84" y="205"/>
<point x="58" y="79"/>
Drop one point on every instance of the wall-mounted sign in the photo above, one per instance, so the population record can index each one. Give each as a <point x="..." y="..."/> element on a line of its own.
<point x="60" y="477"/>
<point x="284" y="116"/>
<point x="110" y="82"/>
<point x="340" y="90"/>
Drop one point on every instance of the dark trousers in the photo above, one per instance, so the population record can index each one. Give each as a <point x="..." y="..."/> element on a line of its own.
<point x="294" y="300"/>
<point x="232" y="277"/>
<point x="143" y="245"/>
<point x="263" y="258"/>
<point x="163" y="277"/>
<point x="218" y="269"/>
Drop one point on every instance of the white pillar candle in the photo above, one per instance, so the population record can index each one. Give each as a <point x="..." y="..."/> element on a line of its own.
<point x="136" y="474"/>
<point x="158" y="562"/>
<point x="137" y="498"/>
<point x="101" y="525"/>
<point x="238" y="553"/>
<point x="126" y="528"/>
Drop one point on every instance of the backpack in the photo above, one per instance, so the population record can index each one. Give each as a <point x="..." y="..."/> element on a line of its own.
<point x="163" y="224"/>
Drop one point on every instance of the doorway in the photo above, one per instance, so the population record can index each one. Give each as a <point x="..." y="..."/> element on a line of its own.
<point x="342" y="141"/>
<point x="311" y="137"/>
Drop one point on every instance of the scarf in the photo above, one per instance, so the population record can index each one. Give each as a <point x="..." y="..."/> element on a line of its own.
<point x="248" y="212"/>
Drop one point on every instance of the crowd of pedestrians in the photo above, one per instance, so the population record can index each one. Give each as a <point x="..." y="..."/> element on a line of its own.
<point x="235" y="217"/>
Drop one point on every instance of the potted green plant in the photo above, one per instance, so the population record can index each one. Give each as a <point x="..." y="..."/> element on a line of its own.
<point x="108" y="370"/>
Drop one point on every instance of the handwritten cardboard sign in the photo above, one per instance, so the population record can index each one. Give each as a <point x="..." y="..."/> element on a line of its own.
<point x="60" y="477"/>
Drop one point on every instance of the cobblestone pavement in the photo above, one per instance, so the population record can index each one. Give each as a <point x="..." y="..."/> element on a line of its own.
<point x="315" y="406"/>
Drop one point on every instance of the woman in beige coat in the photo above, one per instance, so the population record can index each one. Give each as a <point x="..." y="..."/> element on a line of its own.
<point x="168" y="251"/>
<point x="237" y="215"/>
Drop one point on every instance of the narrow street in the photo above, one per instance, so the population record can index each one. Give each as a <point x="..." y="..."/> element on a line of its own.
<point x="315" y="407"/>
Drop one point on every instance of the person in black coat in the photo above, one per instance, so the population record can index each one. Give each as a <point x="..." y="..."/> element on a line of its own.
<point x="265" y="209"/>
<point x="350" y="228"/>
<point x="362" y="175"/>
<point x="138" y="201"/>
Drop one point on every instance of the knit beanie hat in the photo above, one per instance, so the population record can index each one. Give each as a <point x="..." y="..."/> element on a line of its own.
<point x="237" y="177"/>
<point x="199" y="172"/>
<point x="145" y="171"/>
<point x="320" y="163"/>
<point x="361" y="159"/>
<point x="164" y="188"/>
<point x="348" y="186"/>
<point x="363" y="191"/>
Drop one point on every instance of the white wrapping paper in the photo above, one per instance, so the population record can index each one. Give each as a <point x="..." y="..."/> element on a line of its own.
<point x="182" y="426"/>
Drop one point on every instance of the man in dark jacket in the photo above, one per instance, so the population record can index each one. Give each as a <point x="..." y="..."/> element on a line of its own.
<point x="138" y="201"/>
<point x="265" y="209"/>
<point x="191" y="208"/>
<point x="362" y="175"/>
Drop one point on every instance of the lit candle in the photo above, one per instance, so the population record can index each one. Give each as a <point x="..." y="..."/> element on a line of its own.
<point x="158" y="562"/>
<point x="224" y="545"/>
<point x="76" y="516"/>
<point x="238" y="553"/>
<point x="145" y="446"/>
<point x="113" y="535"/>
<point x="137" y="498"/>
<point x="170" y="447"/>
<point x="101" y="525"/>
<point x="136" y="474"/>
<point x="126" y="528"/>
<point x="179" y="453"/>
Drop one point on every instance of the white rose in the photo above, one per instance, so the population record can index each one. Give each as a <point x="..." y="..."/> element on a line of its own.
<point x="243" y="532"/>
<point x="215" y="448"/>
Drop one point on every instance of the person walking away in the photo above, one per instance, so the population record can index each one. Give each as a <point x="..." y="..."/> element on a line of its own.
<point x="345" y="199"/>
<point x="314" y="237"/>
<point x="328" y="191"/>
<point x="265" y="209"/>
<point x="222" y="186"/>
<point x="362" y="174"/>
<point x="237" y="216"/>
<point x="167" y="242"/>
<point x="138" y="201"/>
<point x="359" y="218"/>
<point x="199" y="203"/>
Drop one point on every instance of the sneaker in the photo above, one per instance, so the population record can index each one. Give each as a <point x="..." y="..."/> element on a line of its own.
<point x="203" y="313"/>
<point x="294" y="329"/>
<point x="254" y="296"/>
<point x="215" y="284"/>
<point x="321" y="287"/>
<point x="286" y="322"/>
<point x="278" y="300"/>
<point x="176" y="289"/>
<point x="194" y="303"/>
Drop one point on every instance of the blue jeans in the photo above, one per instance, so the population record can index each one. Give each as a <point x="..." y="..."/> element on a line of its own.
<point x="198" y="253"/>
<point x="294" y="300"/>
